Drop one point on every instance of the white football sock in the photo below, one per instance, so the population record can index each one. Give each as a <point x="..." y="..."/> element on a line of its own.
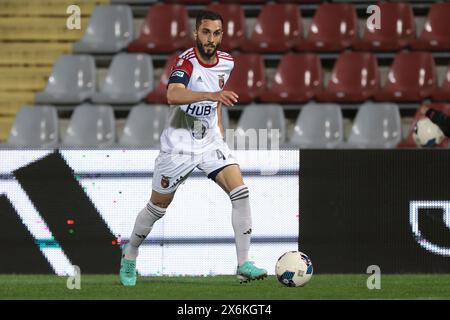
<point x="242" y="221"/>
<point x="142" y="227"/>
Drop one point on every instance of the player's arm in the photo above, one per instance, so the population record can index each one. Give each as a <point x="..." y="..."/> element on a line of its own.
<point x="177" y="93"/>
<point x="439" y="118"/>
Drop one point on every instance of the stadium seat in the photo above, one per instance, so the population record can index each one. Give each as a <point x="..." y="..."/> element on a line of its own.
<point x="91" y="126"/>
<point x="72" y="81"/>
<point x="355" y="78"/>
<point x="435" y="34"/>
<point x="408" y="142"/>
<point x="259" y="117"/>
<point x="397" y="31"/>
<point x="334" y="27"/>
<point x="318" y="126"/>
<point x="244" y="1"/>
<point x="298" y="78"/>
<point x="442" y="93"/>
<point x="377" y="125"/>
<point x="278" y="28"/>
<point x="144" y="126"/>
<point x="412" y="77"/>
<point x="35" y="127"/>
<point x="110" y="30"/>
<point x="129" y="79"/>
<point x="165" y="30"/>
<point x="225" y="119"/>
<point x="248" y="77"/>
<point x="188" y="1"/>
<point x="159" y="94"/>
<point x="234" y="25"/>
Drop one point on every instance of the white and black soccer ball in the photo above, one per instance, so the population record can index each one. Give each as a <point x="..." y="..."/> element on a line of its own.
<point x="426" y="134"/>
<point x="294" y="269"/>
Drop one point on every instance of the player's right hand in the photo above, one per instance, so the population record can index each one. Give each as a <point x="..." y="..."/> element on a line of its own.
<point x="227" y="98"/>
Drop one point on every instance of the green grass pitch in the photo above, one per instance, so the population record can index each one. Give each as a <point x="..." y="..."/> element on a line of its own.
<point x="225" y="287"/>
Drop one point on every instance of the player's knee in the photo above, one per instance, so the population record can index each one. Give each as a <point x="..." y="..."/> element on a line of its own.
<point x="239" y="194"/>
<point x="161" y="204"/>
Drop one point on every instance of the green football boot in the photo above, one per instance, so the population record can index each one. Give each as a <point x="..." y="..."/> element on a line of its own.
<point x="128" y="272"/>
<point x="248" y="272"/>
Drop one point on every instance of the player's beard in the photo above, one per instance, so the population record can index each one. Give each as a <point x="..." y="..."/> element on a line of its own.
<point x="203" y="53"/>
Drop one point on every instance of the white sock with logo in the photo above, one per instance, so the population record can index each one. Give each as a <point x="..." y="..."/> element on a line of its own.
<point x="242" y="221"/>
<point x="142" y="227"/>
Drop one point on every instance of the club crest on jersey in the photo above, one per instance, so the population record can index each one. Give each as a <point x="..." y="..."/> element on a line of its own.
<point x="165" y="182"/>
<point x="221" y="80"/>
<point x="180" y="62"/>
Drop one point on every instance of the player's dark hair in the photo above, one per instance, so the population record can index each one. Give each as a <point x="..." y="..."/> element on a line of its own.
<point x="207" y="15"/>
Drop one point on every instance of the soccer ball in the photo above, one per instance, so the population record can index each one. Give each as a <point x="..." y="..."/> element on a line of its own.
<point x="294" y="269"/>
<point x="426" y="134"/>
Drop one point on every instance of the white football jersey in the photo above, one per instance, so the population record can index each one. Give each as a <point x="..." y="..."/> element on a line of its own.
<point x="193" y="128"/>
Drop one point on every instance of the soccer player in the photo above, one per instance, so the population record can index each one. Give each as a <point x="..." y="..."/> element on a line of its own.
<point x="193" y="137"/>
<point x="438" y="118"/>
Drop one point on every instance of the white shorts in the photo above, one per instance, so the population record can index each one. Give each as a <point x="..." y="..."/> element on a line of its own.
<point x="172" y="169"/>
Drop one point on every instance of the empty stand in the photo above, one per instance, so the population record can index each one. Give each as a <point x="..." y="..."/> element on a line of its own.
<point x="110" y="30"/>
<point x="412" y="77"/>
<point x="165" y="29"/>
<point x="435" y="34"/>
<point x="130" y="78"/>
<point x="396" y="31"/>
<point x="278" y="28"/>
<point x="234" y="25"/>
<point x="144" y="126"/>
<point x="377" y="125"/>
<point x="159" y="94"/>
<point x="355" y="78"/>
<point x="299" y="78"/>
<point x="35" y="127"/>
<point x="256" y="118"/>
<point x="442" y="93"/>
<point x="334" y="27"/>
<point x="248" y="77"/>
<point x="91" y="126"/>
<point x="71" y="81"/>
<point x="318" y="126"/>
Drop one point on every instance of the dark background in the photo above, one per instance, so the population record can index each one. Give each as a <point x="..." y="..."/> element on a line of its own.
<point x="354" y="209"/>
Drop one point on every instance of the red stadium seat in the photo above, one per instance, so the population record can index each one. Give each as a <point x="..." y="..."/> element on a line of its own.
<point x="412" y="77"/>
<point x="188" y="1"/>
<point x="355" y="78"/>
<point x="247" y="79"/>
<point x="408" y="142"/>
<point x="442" y="93"/>
<point x="244" y="1"/>
<point x="333" y="28"/>
<point x="234" y="25"/>
<point x="159" y="94"/>
<point x="298" y="79"/>
<point x="277" y="29"/>
<point x="396" y="32"/>
<point x="435" y="34"/>
<point x="166" y="29"/>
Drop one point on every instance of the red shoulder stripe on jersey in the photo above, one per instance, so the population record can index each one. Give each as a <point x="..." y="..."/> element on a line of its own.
<point x="183" y="65"/>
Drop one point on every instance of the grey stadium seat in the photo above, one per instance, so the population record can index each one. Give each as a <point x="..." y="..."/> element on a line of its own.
<point x="35" y="126"/>
<point x="110" y="30"/>
<point x="254" y="118"/>
<point x="318" y="126"/>
<point x="72" y="81"/>
<point x="377" y="125"/>
<point x="91" y="126"/>
<point x="129" y="79"/>
<point x="225" y="118"/>
<point x="144" y="126"/>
